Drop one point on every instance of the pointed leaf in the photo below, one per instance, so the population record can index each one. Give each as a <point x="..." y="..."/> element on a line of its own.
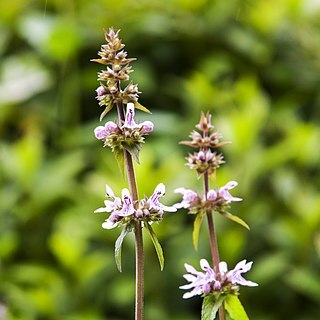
<point x="156" y="244"/>
<point x="106" y="110"/>
<point x="235" y="308"/>
<point x="213" y="175"/>
<point x="134" y="149"/>
<point x="139" y="106"/>
<point x="119" y="155"/>
<point x="196" y="229"/>
<point x="118" y="245"/>
<point x="101" y="61"/>
<point x="234" y="218"/>
<point x="210" y="307"/>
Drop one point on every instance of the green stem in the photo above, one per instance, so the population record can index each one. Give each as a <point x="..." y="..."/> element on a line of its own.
<point x="139" y="302"/>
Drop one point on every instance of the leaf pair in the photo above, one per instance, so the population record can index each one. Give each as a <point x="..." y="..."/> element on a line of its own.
<point x="134" y="151"/>
<point x="198" y="221"/>
<point x="155" y="241"/>
<point x="230" y="302"/>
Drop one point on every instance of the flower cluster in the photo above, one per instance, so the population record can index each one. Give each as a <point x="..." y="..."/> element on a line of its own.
<point x="211" y="282"/>
<point x="205" y="161"/>
<point x="217" y="200"/>
<point x="124" y="210"/>
<point x="110" y="93"/>
<point x="125" y="135"/>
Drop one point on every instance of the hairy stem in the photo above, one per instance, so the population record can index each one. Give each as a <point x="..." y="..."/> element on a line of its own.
<point x="139" y="302"/>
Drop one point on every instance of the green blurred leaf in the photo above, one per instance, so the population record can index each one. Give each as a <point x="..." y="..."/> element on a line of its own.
<point x="305" y="281"/>
<point x="235" y="308"/>
<point x="156" y="244"/>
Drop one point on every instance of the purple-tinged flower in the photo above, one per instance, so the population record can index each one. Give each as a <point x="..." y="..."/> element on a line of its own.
<point x="153" y="201"/>
<point x="100" y="91"/>
<point x="212" y="195"/>
<point x="100" y="132"/>
<point x="125" y="210"/>
<point x="127" y="204"/>
<point x="188" y="196"/>
<point x="209" y="281"/>
<point x="129" y="123"/>
<point x="225" y="194"/>
<point x="199" y="281"/>
<point x="129" y="119"/>
<point x="103" y="132"/>
<point x="146" y="127"/>
<point x="234" y="275"/>
<point x="113" y="206"/>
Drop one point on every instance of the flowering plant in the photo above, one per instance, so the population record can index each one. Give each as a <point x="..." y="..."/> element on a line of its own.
<point x="125" y="138"/>
<point x="218" y="286"/>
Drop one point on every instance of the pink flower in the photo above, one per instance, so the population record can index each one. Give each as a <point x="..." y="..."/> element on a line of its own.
<point x="225" y="194"/>
<point x="100" y="91"/>
<point x="127" y="204"/>
<point x="234" y="275"/>
<point x="209" y="281"/>
<point x="188" y="196"/>
<point x="154" y="203"/>
<point x="102" y="132"/>
<point x="129" y="123"/>
<point x="146" y="127"/>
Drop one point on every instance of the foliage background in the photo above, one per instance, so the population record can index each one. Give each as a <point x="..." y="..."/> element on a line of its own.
<point x="254" y="64"/>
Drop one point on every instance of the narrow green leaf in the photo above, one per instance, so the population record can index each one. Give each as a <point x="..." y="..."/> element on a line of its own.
<point x="134" y="150"/>
<point x="118" y="245"/>
<point x="234" y="218"/>
<point x="235" y="308"/>
<point x="139" y="106"/>
<point x="101" y="61"/>
<point x="210" y="307"/>
<point x="119" y="155"/>
<point x="106" y="110"/>
<point x="156" y="244"/>
<point x="196" y="229"/>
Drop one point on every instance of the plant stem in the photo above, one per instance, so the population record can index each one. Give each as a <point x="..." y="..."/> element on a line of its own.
<point x="139" y="301"/>
<point x="212" y="235"/>
<point x="213" y="241"/>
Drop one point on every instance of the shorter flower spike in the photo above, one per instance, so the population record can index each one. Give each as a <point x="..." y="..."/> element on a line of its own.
<point x="210" y="282"/>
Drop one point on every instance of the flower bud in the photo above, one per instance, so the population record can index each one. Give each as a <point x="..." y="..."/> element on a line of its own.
<point x="212" y="195"/>
<point x="100" y="91"/>
<point x="147" y="126"/>
<point x="110" y="126"/>
<point x="100" y="132"/>
<point x="139" y="213"/>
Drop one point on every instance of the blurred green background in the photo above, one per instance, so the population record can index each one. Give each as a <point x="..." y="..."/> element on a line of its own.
<point x="254" y="64"/>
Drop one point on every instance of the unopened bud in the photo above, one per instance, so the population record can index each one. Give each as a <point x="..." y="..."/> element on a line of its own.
<point x="147" y="127"/>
